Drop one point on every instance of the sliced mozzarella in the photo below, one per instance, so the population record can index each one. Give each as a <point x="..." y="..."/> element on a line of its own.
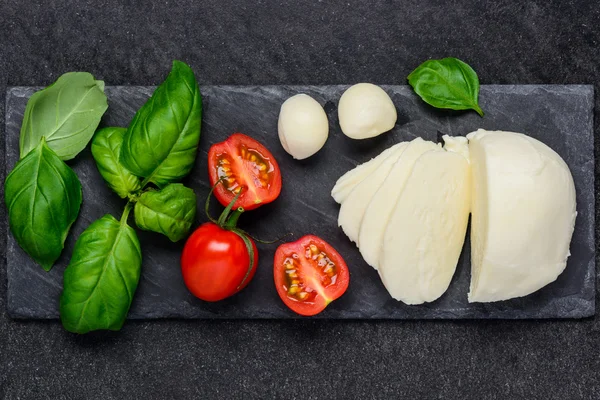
<point x="426" y="231"/>
<point x="347" y="182"/>
<point x="523" y="215"/>
<point x="384" y="201"/>
<point x="353" y="208"/>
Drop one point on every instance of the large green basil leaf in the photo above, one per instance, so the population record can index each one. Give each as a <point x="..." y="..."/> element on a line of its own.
<point x="102" y="277"/>
<point x="447" y="83"/>
<point x="43" y="196"/>
<point x="66" y="113"/>
<point x="106" y="147"/>
<point x="170" y="211"/>
<point x="162" y="140"/>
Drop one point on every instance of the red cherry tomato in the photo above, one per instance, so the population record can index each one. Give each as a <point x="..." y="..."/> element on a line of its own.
<point x="215" y="263"/>
<point x="243" y="162"/>
<point x="309" y="274"/>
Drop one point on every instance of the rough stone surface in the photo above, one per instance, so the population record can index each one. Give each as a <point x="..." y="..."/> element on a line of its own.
<point x="263" y="42"/>
<point x="560" y="116"/>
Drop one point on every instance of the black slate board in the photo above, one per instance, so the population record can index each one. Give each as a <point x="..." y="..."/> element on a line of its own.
<point x="560" y="116"/>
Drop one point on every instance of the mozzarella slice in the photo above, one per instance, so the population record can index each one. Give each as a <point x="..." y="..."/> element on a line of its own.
<point x="523" y="215"/>
<point x="353" y="208"/>
<point x="427" y="228"/>
<point x="384" y="201"/>
<point x="347" y="182"/>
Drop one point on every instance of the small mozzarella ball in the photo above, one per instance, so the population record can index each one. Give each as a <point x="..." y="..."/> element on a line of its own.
<point x="366" y="111"/>
<point x="303" y="126"/>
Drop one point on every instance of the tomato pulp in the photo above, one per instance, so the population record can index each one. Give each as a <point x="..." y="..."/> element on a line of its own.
<point x="309" y="274"/>
<point x="244" y="165"/>
<point x="215" y="263"/>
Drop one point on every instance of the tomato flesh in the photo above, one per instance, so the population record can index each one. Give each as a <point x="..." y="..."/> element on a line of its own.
<point x="309" y="274"/>
<point x="215" y="262"/>
<point x="244" y="164"/>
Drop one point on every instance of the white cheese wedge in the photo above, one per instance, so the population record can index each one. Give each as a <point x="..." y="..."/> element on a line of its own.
<point x="353" y="208"/>
<point x="384" y="201"/>
<point x="347" y="182"/>
<point x="523" y="215"/>
<point x="427" y="228"/>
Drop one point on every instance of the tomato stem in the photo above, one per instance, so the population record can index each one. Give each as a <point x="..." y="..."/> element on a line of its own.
<point x="207" y="203"/>
<point x="222" y="222"/>
<point x="279" y="239"/>
<point x="249" y="248"/>
<point x="233" y="218"/>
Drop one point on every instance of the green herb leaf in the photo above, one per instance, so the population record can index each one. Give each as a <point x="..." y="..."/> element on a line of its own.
<point x="43" y="196"/>
<point x="102" y="277"/>
<point x="161" y="141"/>
<point x="170" y="211"/>
<point x="447" y="83"/>
<point x="66" y="113"/>
<point x="106" y="147"/>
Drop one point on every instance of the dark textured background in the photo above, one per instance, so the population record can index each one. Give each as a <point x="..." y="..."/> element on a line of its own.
<point x="287" y="41"/>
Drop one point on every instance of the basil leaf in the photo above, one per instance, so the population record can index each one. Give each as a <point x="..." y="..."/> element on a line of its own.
<point x="43" y="196"/>
<point x="106" y="147"/>
<point x="101" y="279"/>
<point x="66" y="113"/>
<point x="170" y="211"/>
<point x="161" y="141"/>
<point x="447" y="83"/>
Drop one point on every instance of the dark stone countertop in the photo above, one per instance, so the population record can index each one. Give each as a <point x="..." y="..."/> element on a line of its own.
<point x="276" y="42"/>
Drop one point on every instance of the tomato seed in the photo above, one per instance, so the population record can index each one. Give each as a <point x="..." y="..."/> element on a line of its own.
<point x="293" y="290"/>
<point x="303" y="295"/>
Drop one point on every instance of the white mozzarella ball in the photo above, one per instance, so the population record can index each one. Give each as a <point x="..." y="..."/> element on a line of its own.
<point x="366" y="111"/>
<point x="303" y="126"/>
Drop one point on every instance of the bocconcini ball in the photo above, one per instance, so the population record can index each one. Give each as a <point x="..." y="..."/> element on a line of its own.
<point x="366" y="111"/>
<point x="303" y="126"/>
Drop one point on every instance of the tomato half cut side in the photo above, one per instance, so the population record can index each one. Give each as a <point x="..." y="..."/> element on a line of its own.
<point x="309" y="274"/>
<point x="244" y="164"/>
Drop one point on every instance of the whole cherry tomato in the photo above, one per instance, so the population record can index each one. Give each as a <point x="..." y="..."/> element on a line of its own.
<point x="215" y="263"/>
<point x="218" y="259"/>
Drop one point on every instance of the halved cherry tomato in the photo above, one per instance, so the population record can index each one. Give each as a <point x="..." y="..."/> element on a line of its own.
<point x="215" y="263"/>
<point x="309" y="274"/>
<point x="243" y="162"/>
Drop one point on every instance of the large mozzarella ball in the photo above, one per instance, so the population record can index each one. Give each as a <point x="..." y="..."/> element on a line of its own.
<point x="523" y="215"/>
<point x="303" y="126"/>
<point x="365" y="111"/>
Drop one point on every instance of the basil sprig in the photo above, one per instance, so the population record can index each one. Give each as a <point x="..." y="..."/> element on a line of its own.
<point x="447" y="83"/>
<point x="158" y="148"/>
